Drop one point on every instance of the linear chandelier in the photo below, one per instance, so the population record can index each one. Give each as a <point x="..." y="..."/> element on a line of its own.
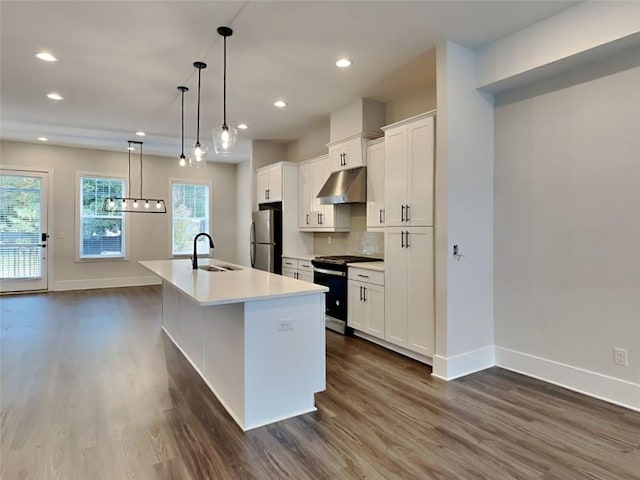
<point x="134" y="204"/>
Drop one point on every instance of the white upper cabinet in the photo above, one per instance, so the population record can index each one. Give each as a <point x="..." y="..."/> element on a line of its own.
<point x="269" y="183"/>
<point x="312" y="216"/>
<point x="347" y="153"/>
<point x="375" y="185"/>
<point x="409" y="172"/>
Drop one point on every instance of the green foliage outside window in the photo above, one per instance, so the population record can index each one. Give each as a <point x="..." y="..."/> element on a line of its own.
<point x="190" y="217"/>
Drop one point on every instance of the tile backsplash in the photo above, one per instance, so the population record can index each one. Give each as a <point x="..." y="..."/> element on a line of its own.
<point x="356" y="242"/>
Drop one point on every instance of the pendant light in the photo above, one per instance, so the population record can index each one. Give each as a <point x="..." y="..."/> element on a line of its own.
<point x="183" y="161"/>
<point x="224" y="138"/>
<point x="134" y="204"/>
<point x="198" y="156"/>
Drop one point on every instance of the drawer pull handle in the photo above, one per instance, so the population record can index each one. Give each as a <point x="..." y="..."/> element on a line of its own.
<point x="363" y="276"/>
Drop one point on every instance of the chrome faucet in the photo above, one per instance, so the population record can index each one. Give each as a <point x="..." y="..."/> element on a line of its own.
<point x="194" y="259"/>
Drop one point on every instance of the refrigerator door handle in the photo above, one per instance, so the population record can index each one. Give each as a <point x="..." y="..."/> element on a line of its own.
<point x="252" y="244"/>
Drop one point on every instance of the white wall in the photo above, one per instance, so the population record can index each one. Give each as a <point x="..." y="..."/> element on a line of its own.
<point x="409" y="104"/>
<point x="571" y="34"/>
<point x="311" y="144"/>
<point x="149" y="235"/>
<point x="464" y="217"/>
<point x="567" y="230"/>
<point x="244" y="204"/>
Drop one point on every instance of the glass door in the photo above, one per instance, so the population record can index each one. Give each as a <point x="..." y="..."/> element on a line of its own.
<point x="23" y="230"/>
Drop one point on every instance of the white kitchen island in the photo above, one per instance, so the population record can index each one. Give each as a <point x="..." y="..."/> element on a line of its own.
<point x="257" y="339"/>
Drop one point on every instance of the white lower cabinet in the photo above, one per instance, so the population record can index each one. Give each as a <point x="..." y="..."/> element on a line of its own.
<point x="365" y="310"/>
<point x="409" y="292"/>
<point x="298" y="269"/>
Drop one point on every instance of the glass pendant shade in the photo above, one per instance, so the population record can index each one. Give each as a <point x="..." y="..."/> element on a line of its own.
<point x="198" y="155"/>
<point x="224" y="138"/>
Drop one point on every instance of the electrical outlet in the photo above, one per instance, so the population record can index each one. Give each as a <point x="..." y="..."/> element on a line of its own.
<point x="285" y="324"/>
<point x="620" y="357"/>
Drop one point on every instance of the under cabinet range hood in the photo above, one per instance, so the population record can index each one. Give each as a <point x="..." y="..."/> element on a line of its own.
<point x="345" y="186"/>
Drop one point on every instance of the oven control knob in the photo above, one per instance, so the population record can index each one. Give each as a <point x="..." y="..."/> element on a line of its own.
<point x="337" y="302"/>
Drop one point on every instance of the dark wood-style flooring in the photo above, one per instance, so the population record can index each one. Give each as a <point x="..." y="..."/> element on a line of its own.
<point x="91" y="389"/>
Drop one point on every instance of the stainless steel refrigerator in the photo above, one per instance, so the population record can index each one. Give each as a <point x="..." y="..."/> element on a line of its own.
<point x="266" y="238"/>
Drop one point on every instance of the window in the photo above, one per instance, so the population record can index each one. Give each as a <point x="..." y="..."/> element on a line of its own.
<point x="101" y="233"/>
<point x="189" y="216"/>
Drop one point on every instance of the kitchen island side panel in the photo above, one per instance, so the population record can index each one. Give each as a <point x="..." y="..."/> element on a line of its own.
<point x="284" y="357"/>
<point x="224" y="357"/>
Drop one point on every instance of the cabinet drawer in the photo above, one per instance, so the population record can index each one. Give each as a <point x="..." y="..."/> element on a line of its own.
<point x="369" y="276"/>
<point x="305" y="265"/>
<point x="289" y="262"/>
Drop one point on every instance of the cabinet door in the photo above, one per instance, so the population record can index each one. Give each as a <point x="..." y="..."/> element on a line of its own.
<point x="304" y="196"/>
<point x="262" y="185"/>
<point x="306" y="276"/>
<point x="356" y="307"/>
<point x="316" y="170"/>
<point x="374" y="300"/>
<point x="375" y="186"/>
<point x="347" y="154"/>
<point x="396" y="173"/>
<point x="275" y="184"/>
<point x="420" y="293"/>
<point x="336" y="155"/>
<point x="289" y="272"/>
<point x="421" y="170"/>
<point x="327" y="220"/>
<point x="395" y="281"/>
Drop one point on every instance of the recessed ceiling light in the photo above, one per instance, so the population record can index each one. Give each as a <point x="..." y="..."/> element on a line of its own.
<point x="343" y="63"/>
<point x="43" y="139"/>
<point x="46" y="56"/>
<point x="54" y="96"/>
<point x="140" y="134"/>
<point x="280" y="104"/>
<point x="243" y="126"/>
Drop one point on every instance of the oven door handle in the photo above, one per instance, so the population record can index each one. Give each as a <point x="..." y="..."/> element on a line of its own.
<point x="330" y="272"/>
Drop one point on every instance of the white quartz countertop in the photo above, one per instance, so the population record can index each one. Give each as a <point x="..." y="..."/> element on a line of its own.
<point x="217" y="288"/>
<point x="300" y="256"/>
<point x="375" y="266"/>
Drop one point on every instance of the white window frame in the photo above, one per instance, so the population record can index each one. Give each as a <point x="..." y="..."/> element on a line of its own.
<point x="188" y="181"/>
<point x="78" y="207"/>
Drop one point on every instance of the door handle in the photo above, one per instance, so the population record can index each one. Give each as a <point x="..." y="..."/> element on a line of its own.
<point x="380" y="216"/>
<point x="402" y="239"/>
<point x="407" y="240"/>
<point x="364" y="293"/>
<point x="402" y="214"/>
<point x="307" y="219"/>
<point x="407" y="213"/>
<point x="360" y="292"/>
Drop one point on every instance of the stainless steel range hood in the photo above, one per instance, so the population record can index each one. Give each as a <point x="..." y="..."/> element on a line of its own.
<point x="345" y="186"/>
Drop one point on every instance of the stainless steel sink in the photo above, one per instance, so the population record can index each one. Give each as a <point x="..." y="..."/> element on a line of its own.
<point x="219" y="268"/>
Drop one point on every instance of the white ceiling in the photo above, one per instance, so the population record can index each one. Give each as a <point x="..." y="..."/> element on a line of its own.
<point x="120" y="63"/>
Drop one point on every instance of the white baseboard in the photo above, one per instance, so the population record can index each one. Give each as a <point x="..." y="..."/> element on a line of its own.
<point x="395" y="348"/>
<point x="456" y="366"/>
<point x="105" y="283"/>
<point x="603" y="387"/>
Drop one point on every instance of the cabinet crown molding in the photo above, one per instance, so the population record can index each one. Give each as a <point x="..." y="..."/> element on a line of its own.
<point x="361" y="135"/>
<point x="430" y="113"/>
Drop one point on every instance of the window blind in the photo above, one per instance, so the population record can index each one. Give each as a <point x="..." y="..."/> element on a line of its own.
<point x="20" y="250"/>
<point x="190" y="216"/>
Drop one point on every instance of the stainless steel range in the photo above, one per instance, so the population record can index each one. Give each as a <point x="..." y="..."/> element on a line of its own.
<point x="331" y="271"/>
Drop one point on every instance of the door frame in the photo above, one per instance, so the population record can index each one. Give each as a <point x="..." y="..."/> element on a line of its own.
<point x="50" y="216"/>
